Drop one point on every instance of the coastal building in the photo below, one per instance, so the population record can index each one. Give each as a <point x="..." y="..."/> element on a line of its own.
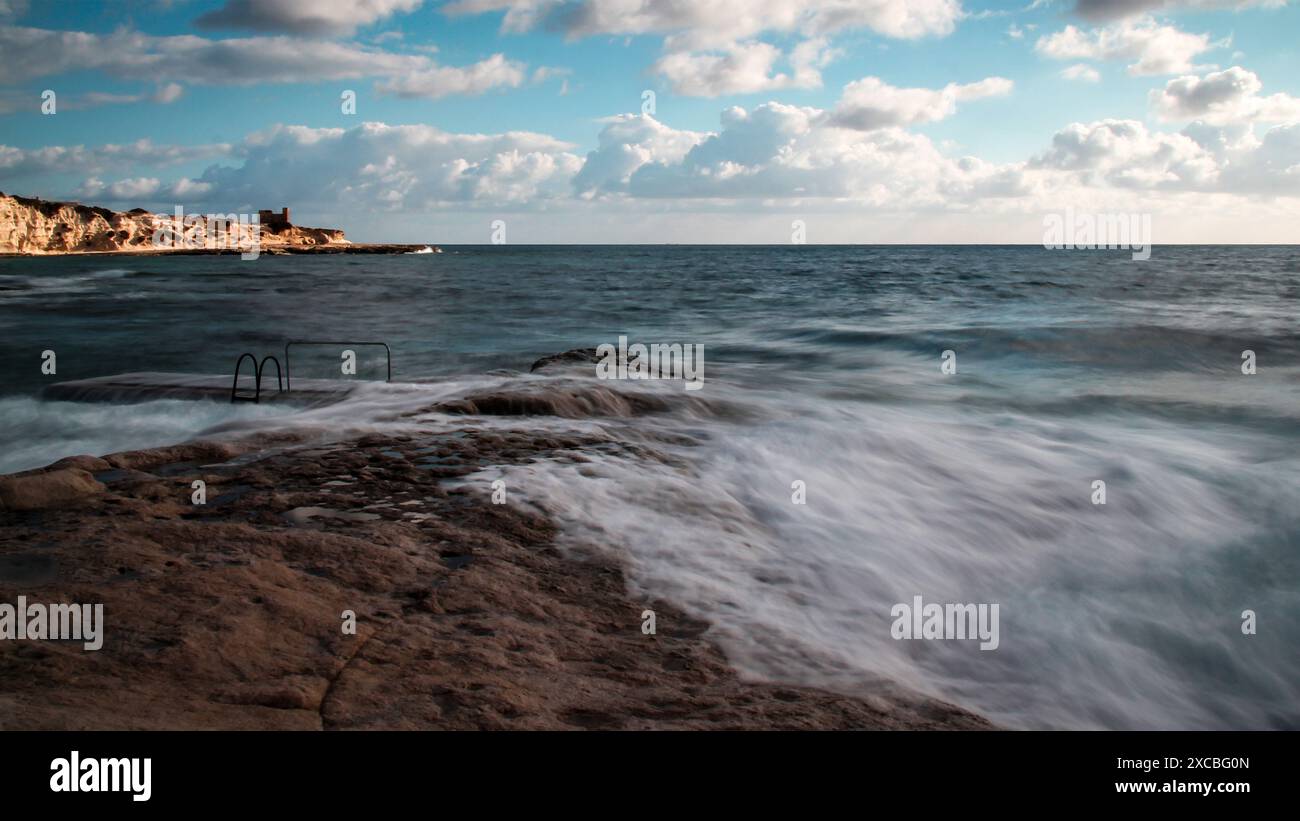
<point x="270" y="218"/>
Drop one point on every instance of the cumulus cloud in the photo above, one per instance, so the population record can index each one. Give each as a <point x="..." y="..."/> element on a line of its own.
<point x="1202" y="158"/>
<point x="871" y="103"/>
<point x="132" y="55"/>
<point x="78" y="159"/>
<point x="137" y="188"/>
<point x="1104" y="10"/>
<point x="312" y="17"/>
<point x="1126" y="154"/>
<point x="1271" y="166"/>
<point x="781" y="152"/>
<point x="374" y="165"/>
<point x="715" y="47"/>
<point x="1222" y="98"/>
<point x="127" y="54"/>
<point x="626" y="143"/>
<point x="1151" y="47"/>
<point x="778" y="150"/>
<point x="713" y="23"/>
<point x="743" y="68"/>
<point x="494" y="72"/>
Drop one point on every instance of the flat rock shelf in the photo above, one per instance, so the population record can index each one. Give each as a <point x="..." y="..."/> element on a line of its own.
<point x="145" y="385"/>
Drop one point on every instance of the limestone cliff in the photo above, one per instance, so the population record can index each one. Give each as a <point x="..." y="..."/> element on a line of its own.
<point x="36" y="226"/>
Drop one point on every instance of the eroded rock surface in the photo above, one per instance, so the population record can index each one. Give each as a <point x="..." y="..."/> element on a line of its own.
<point x="230" y="614"/>
<point x="34" y="226"/>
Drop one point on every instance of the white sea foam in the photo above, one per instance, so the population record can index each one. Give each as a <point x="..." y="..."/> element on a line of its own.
<point x="40" y="432"/>
<point x="1123" y="615"/>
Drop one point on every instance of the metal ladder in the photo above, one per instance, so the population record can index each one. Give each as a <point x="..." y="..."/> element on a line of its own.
<point x="284" y="382"/>
<point x="256" y="395"/>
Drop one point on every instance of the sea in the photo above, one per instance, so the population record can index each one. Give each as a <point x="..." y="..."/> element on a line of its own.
<point x="875" y="423"/>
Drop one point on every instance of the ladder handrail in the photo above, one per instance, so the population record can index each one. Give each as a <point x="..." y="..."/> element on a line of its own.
<point x="257" y="378"/>
<point x="257" y="383"/>
<point x="279" y="380"/>
<point x="288" y="369"/>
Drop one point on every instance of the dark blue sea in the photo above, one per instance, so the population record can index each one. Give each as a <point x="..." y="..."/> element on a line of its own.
<point x="822" y="367"/>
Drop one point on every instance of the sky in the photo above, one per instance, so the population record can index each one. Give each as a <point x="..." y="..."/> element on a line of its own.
<point x="664" y="121"/>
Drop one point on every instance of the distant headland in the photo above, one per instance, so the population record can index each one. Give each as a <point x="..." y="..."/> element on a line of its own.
<point x="33" y="226"/>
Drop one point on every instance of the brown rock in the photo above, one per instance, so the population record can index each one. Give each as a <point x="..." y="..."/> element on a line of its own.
<point x="230" y="615"/>
<point x="190" y="452"/>
<point x="93" y="464"/>
<point x="52" y="488"/>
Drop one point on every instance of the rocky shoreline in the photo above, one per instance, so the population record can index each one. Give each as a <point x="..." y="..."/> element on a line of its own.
<point x="229" y="615"/>
<point x="270" y="251"/>
<point x="30" y="226"/>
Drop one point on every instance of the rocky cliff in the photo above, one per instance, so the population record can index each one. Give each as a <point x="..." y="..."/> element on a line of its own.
<point x="36" y="226"/>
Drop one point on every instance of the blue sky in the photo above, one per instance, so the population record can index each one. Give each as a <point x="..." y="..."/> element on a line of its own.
<point x="874" y="120"/>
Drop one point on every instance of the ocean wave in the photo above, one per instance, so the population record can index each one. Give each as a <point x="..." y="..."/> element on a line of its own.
<point x="39" y="432"/>
<point x="1111" y="615"/>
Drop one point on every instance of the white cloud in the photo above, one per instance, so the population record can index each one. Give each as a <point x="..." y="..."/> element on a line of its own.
<point x="1082" y="72"/>
<point x="743" y="68"/>
<point x="780" y="152"/>
<point x="870" y="103"/>
<point x="163" y="95"/>
<point x="1119" y="9"/>
<point x="314" y="17"/>
<point x="127" y="189"/>
<point x="1270" y="166"/>
<point x="1223" y="98"/>
<point x="78" y="159"/>
<point x="169" y="93"/>
<point x="132" y="55"/>
<point x="94" y="99"/>
<point x="185" y="189"/>
<point x="715" y="47"/>
<point x="374" y="165"/>
<point x="1124" y="153"/>
<point x="628" y="142"/>
<point x="713" y="23"/>
<point x="494" y="72"/>
<point x="1152" y="48"/>
<point x="138" y="189"/>
<point x="1203" y="158"/>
